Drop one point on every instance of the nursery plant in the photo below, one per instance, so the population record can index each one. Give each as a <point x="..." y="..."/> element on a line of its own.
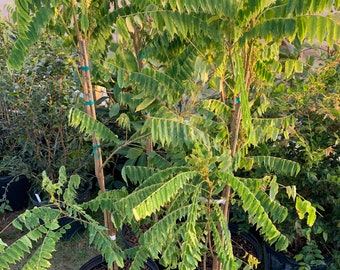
<point x="198" y="71"/>
<point x="35" y="134"/>
<point x="313" y="98"/>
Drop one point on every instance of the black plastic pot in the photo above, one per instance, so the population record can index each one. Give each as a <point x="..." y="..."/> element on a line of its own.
<point x="274" y="260"/>
<point x="15" y="190"/>
<point x="85" y="194"/>
<point x="250" y="238"/>
<point x="99" y="261"/>
<point x="247" y="237"/>
<point x="76" y="227"/>
<point x="125" y="231"/>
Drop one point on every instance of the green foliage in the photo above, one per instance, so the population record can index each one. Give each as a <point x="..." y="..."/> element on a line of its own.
<point x="157" y="236"/>
<point x="29" y="29"/>
<point x="310" y="255"/>
<point x="41" y="230"/>
<point x="90" y="127"/>
<point x="225" y="252"/>
<point x="304" y="207"/>
<point x="175" y="132"/>
<point x="39" y="94"/>
<point x="224" y="54"/>
<point x="162" y="195"/>
<point x="191" y="242"/>
<point x="257" y="214"/>
<point x="311" y="98"/>
<point x="278" y="165"/>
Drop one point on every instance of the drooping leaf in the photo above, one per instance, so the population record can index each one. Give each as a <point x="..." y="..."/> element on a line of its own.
<point x="90" y="126"/>
<point x="278" y="165"/>
<point x="30" y="33"/>
<point x="162" y="195"/>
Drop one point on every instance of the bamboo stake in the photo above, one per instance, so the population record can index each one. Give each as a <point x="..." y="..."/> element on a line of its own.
<point x="91" y="111"/>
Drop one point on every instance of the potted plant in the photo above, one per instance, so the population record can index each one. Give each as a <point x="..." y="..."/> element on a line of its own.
<point x="82" y="34"/>
<point x="39" y="94"/>
<point x="203" y="167"/>
<point x="207" y="148"/>
<point x="13" y="170"/>
<point x="312" y="98"/>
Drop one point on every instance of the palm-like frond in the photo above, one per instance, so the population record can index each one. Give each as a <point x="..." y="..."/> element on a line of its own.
<point x="42" y="223"/>
<point x="29" y="30"/>
<point x="180" y="24"/>
<point x="277" y="212"/>
<point x="137" y="174"/>
<point x="257" y="213"/>
<point x="108" y="248"/>
<point x="175" y="132"/>
<point x="162" y="195"/>
<point x="40" y="258"/>
<point x="157" y="236"/>
<point x="139" y="258"/>
<point x="225" y="8"/>
<point x="305" y="27"/>
<point x="182" y="67"/>
<point x="270" y="128"/>
<point x="191" y="247"/>
<point x="224" y="251"/>
<point x="279" y="165"/>
<point x="220" y="109"/>
<point x="157" y="85"/>
<point x="90" y="126"/>
<point x="253" y="8"/>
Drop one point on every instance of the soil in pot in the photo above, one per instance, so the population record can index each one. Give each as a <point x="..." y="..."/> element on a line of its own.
<point x="245" y="246"/>
<point x="130" y="238"/>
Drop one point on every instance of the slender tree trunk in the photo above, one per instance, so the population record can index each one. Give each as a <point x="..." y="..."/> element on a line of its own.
<point x="235" y="127"/>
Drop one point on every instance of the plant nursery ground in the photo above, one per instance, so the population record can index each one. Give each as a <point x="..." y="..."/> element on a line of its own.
<point x="69" y="255"/>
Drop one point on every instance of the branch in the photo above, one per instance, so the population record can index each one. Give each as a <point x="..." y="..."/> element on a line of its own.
<point x="121" y="147"/>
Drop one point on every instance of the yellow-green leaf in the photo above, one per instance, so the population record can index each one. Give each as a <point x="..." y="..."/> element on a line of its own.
<point x="145" y="103"/>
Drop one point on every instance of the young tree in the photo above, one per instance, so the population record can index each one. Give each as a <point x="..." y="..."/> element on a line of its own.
<point x="195" y="68"/>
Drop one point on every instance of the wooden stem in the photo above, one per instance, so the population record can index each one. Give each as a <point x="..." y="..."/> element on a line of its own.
<point x="91" y="111"/>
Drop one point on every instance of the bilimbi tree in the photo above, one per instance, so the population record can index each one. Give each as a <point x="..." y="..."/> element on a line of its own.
<point x="200" y="70"/>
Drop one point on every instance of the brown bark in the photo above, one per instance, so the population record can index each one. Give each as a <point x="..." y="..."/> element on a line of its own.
<point x="91" y="111"/>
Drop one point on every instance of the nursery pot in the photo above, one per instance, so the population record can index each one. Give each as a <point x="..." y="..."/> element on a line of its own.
<point x="98" y="263"/>
<point x="84" y="195"/>
<point x="249" y="238"/>
<point x="274" y="260"/>
<point x="76" y="227"/>
<point x="15" y="189"/>
<point x="244" y="241"/>
<point x="129" y="237"/>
